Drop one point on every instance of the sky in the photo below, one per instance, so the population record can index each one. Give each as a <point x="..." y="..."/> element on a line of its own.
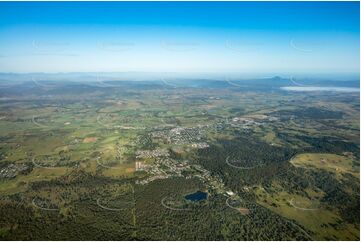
<point x="249" y="37"/>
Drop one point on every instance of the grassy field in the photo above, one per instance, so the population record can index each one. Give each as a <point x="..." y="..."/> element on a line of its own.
<point x="330" y="162"/>
<point x="20" y="183"/>
<point x="308" y="211"/>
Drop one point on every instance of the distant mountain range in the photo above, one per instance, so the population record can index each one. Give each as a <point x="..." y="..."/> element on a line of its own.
<point x="157" y="78"/>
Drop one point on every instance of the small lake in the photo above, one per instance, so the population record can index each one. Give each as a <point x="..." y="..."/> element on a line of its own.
<point x="325" y="89"/>
<point x="197" y="196"/>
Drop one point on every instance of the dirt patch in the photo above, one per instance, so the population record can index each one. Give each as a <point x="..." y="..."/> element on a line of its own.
<point x="130" y="170"/>
<point x="178" y="150"/>
<point x="243" y="211"/>
<point x="90" y="139"/>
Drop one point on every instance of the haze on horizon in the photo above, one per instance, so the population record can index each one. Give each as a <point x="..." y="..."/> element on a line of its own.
<point x="251" y="37"/>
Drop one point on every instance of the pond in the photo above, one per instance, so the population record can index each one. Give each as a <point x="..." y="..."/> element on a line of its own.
<point x="197" y="196"/>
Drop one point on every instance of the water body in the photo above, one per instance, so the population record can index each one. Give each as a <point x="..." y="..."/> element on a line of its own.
<point x="326" y="89"/>
<point x="197" y="196"/>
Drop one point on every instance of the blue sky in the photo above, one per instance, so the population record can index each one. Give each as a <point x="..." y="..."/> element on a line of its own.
<point x="252" y="37"/>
